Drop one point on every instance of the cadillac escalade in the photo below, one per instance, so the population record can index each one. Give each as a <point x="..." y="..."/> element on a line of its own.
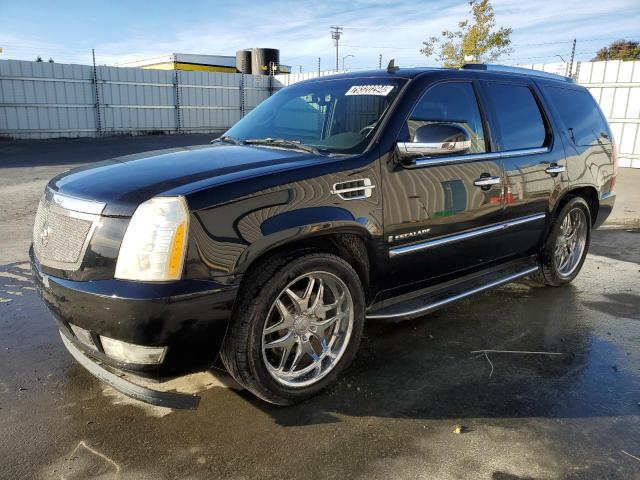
<point x="371" y="195"/>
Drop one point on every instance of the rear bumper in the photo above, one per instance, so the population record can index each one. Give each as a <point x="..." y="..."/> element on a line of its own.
<point x="188" y="317"/>
<point x="607" y="201"/>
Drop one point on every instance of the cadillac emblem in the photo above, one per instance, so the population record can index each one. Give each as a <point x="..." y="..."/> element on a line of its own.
<point x="45" y="234"/>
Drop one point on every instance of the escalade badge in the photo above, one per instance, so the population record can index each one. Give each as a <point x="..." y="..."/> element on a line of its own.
<point x="404" y="236"/>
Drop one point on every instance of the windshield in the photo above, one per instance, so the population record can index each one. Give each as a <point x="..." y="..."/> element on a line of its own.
<point x="332" y="116"/>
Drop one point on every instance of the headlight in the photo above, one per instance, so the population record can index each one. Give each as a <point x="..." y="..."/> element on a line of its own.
<point x="155" y="242"/>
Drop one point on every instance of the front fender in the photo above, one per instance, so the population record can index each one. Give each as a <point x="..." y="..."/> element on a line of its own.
<point x="225" y="239"/>
<point x="306" y="233"/>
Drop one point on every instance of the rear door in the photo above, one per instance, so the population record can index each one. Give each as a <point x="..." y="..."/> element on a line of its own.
<point x="437" y="209"/>
<point x="586" y="133"/>
<point x="533" y="160"/>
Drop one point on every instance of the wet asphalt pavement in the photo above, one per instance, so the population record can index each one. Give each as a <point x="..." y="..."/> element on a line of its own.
<point x="575" y="415"/>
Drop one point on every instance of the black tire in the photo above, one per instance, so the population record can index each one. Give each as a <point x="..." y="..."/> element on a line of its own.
<point x="548" y="274"/>
<point x="242" y="348"/>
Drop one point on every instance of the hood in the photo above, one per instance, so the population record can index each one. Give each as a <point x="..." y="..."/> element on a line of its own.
<point x="125" y="182"/>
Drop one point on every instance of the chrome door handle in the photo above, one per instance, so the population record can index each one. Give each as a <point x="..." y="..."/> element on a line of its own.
<point x="555" y="169"/>
<point x="486" y="181"/>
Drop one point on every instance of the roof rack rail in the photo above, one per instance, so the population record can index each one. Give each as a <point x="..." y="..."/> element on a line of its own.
<point x="519" y="70"/>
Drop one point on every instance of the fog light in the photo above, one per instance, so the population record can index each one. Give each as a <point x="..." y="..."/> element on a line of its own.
<point x="130" y="353"/>
<point x="83" y="335"/>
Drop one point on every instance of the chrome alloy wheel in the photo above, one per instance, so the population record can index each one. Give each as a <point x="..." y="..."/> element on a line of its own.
<point x="571" y="242"/>
<point x="307" y="329"/>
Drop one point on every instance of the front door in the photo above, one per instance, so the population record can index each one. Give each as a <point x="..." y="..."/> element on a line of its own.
<point x="438" y="208"/>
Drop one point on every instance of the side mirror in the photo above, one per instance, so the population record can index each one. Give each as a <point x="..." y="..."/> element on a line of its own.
<point x="436" y="139"/>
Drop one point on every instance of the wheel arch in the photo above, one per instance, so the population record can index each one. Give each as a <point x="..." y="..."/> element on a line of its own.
<point x="588" y="192"/>
<point x="353" y="244"/>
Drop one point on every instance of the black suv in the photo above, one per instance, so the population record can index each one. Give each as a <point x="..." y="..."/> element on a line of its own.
<point x="382" y="194"/>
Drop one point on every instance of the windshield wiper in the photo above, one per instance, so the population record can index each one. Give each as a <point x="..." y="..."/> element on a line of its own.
<point x="282" y="142"/>
<point x="228" y="139"/>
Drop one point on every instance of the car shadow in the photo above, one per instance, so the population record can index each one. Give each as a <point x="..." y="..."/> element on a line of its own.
<point x="425" y="368"/>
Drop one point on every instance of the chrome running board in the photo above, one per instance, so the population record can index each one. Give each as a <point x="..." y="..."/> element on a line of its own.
<point x="435" y="299"/>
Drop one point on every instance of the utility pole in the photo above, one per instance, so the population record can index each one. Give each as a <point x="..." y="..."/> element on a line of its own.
<point x="336" y="33"/>
<point x="380" y="62"/>
<point x="573" y="53"/>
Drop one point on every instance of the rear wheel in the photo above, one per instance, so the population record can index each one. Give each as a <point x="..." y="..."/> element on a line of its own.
<point x="566" y="247"/>
<point x="297" y="325"/>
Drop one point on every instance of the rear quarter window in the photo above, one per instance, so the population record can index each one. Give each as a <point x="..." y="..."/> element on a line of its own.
<point x="518" y="117"/>
<point x="579" y="113"/>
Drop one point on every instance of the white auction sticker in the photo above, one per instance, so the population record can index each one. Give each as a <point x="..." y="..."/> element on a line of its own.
<point x="382" y="90"/>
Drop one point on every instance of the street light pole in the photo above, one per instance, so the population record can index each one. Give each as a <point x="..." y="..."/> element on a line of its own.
<point x="346" y="56"/>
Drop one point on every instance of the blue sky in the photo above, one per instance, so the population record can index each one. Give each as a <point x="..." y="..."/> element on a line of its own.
<point x="128" y="30"/>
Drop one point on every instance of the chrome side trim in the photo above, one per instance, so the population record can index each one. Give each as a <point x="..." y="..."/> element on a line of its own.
<point x="73" y="203"/>
<point x="435" y="305"/>
<point x="433" y="161"/>
<point x="521" y="220"/>
<point x="433" y="148"/>
<point x="457" y="237"/>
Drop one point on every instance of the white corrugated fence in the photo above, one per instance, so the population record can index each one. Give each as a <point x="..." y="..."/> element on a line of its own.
<point x="616" y="87"/>
<point x="49" y="100"/>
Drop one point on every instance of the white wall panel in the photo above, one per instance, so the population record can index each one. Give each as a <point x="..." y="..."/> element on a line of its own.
<point x="48" y="100"/>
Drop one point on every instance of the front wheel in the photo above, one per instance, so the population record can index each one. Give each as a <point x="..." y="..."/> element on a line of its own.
<point x="566" y="246"/>
<point x="296" y="326"/>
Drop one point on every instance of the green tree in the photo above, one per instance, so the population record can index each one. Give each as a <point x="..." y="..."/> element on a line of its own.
<point x="477" y="39"/>
<point x="619" y="50"/>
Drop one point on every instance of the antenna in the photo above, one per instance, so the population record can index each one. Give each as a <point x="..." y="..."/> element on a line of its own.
<point x="391" y="68"/>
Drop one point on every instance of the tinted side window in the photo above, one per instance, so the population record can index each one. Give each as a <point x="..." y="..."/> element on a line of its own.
<point x="579" y="113"/>
<point x="518" y="116"/>
<point x="455" y="103"/>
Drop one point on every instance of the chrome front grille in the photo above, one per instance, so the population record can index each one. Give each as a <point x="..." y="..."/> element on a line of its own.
<point x="60" y="234"/>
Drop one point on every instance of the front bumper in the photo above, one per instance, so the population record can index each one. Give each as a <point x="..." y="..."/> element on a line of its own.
<point x="133" y="390"/>
<point x="189" y="317"/>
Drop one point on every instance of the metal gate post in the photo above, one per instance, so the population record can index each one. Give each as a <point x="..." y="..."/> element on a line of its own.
<point x="96" y="95"/>
<point x="242" y="99"/>
<point x="176" y="87"/>
<point x="271" y="78"/>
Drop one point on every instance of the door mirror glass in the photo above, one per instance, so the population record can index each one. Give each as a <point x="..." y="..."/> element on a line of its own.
<point x="436" y="139"/>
